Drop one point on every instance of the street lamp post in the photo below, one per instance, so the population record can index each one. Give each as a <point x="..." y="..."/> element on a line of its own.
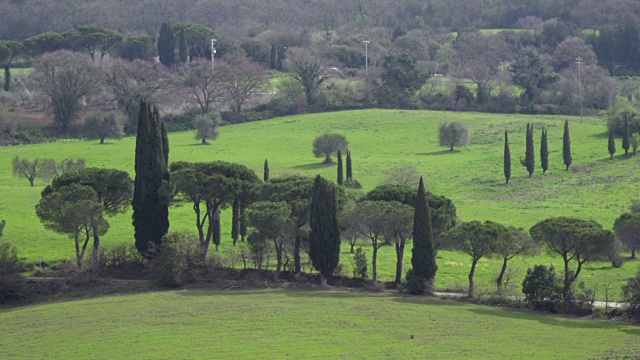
<point x="579" y="63"/>
<point x="213" y="55"/>
<point x="366" y="55"/>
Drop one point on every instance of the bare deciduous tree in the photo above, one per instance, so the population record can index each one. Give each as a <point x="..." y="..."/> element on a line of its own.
<point x="66" y="78"/>
<point x="242" y="78"/>
<point x="202" y="84"/>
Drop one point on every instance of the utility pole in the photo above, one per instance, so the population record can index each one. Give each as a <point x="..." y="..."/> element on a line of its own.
<point x="579" y="62"/>
<point x="366" y="56"/>
<point x="213" y="55"/>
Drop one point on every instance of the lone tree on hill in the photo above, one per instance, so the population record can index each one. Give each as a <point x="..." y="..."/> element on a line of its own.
<point x="529" y="160"/>
<point x="544" y="152"/>
<point x="507" y="158"/>
<point x="612" y="142"/>
<point x="326" y="145"/>
<point x="575" y="240"/>
<point x="324" y="237"/>
<point x="453" y="134"/>
<point x="423" y="257"/>
<point x="340" y="178"/>
<point x="566" y="146"/>
<point x="207" y="127"/>
<point x="150" y="194"/>
<point x="102" y="125"/>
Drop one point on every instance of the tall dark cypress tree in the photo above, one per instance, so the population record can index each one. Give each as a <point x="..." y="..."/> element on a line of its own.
<point x="266" y="170"/>
<point x="529" y="156"/>
<point x="183" y="51"/>
<point x="566" y="146"/>
<point x="612" y="142"/>
<point x="340" y="169"/>
<point x="423" y="257"/>
<point x="507" y="158"/>
<point x="626" y="144"/>
<point x="217" y="231"/>
<point x="349" y="168"/>
<point x="150" y="208"/>
<point x="167" y="45"/>
<point x="544" y="152"/>
<point x="324" y="237"/>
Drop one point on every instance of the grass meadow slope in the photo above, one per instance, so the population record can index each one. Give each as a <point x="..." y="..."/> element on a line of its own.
<point x="595" y="188"/>
<point x="269" y="324"/>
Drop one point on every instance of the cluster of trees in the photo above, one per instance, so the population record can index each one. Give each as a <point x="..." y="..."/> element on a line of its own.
<point x="529" y="160"/>
<point x="46" y="169"/>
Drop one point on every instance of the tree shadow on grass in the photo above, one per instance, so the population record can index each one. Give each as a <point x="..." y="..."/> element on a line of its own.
<point x="543" y="318"/>
<point x="313" y="166"/>
<point x="420" y="300"/>
<point x="439" y="152"/>
<point x="602" y="135"/>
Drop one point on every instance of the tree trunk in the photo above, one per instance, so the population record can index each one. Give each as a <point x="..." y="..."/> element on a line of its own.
<point x="473" y="270"/>
<point x="327" y="159"/>
<point x="399" y="255"/>
<point x="297" y="267"/>
<point x="633" y="254"/>
<point x="7" y="78"/>
<point x="278" y="258"/>
<point x="323" y="280"/>
<point x="504" y="269"/>
<point x="32" y="180"/>
<point x="451" y="148"/>
<point x="567" y="281"/>
<point x="102" y="140"/>
<point x="353" y="244"/>
<point x="374" y="262"/>
<point x="78" y="257"/>
<point x="96" y="246"/>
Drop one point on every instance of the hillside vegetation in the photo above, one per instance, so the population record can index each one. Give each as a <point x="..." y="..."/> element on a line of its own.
<point x="594" y="188"/>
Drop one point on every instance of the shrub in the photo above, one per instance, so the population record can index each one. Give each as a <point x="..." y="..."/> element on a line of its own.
<point x="416" y="284"/>
<point x="542" y="289"/>
<point x="359" y="263"/>
<point x="352" y="184"/>
<point x="177" y="259"/>
<point x="12" y="284"/>
<point x="120" y="255"/>
<point x="258" y="248"/>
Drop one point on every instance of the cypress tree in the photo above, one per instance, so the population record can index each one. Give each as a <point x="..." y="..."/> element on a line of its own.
<point x="167" y="45"/>
<point x="566" y="146"/>
<point x="349" y="168"/>
<point x="266" y="170"/>
<point x="340" y="169"/>
<point x="242" y="224"/>
<point x="150" y="209"/>
<point x="423" y="257"/>
<point x="183" y="51"/>
<point x="544" y="152"/>
<point x="324" y="236"/>
<point x="612" y="142"/>
<point x="625" y="137"/>
<point x="507" y="158"/>
<point x="529" y="158"/>
<point x="235" y="221"/>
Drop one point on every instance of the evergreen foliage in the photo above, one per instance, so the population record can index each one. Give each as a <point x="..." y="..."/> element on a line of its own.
<point x="166" y="45"/>
<point x="612" y="142"/>
<point x="625" y="137"/>
<point x="423" y="257"/>
<point x="183" y="51"/>
<point x="529" y="158"/>
<point x="349" y="166"/>
<point x="266" y="170"/>
<point x="324" y="237"/>
<point x="235" y="221"/>
<point x="150" y="206"/>
<point x="544" y="152"/>
<point x="507" y="158"/>
<point x="340" y="179"/>
<point x="566" y="146"/>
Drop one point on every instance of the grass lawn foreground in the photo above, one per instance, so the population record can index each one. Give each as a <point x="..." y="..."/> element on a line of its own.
<point x="276" y="324"/>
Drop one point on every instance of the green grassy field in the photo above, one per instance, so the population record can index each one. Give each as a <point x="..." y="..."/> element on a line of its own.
<point x="276" y="324"/>
<point x="596" y="188"/>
